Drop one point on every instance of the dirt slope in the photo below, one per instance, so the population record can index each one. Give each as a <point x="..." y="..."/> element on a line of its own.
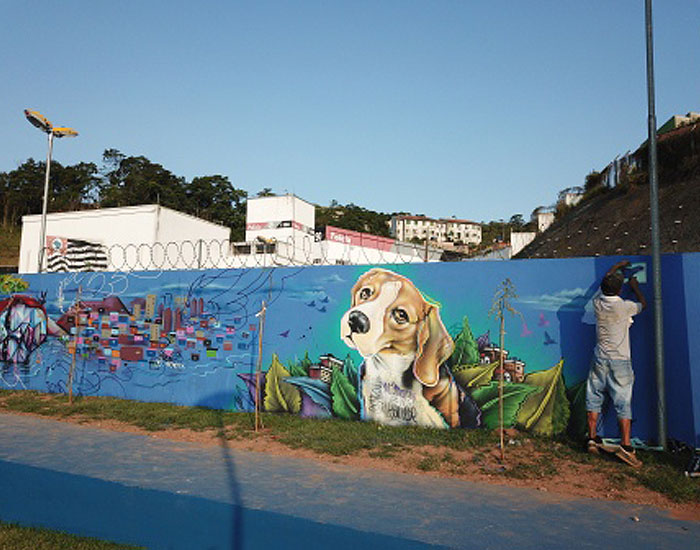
<point x="619" y="223"/>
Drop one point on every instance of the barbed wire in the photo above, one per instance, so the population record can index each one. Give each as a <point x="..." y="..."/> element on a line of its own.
<point x="588" y="239"/>
<point x="223" y="254"/>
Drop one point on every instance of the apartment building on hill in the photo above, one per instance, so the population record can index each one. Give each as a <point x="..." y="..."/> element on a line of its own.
<point x="446" y="232"/>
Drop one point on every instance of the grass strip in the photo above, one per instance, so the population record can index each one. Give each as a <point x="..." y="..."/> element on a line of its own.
<point x="662" y="472"/>
<point x="18" y="537"/>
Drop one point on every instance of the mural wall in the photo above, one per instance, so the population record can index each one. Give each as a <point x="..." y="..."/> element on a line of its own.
<point x="403" y="345"/>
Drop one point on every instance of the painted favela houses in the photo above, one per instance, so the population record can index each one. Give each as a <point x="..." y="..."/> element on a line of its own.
<point x="409" y="345"/>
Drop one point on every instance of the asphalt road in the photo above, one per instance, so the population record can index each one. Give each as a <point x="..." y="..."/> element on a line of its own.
<point x="165" y="494"/>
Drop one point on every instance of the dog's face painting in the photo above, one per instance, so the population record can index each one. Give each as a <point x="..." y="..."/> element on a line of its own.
<point x="386" y="315"/>
<point x="389" y="316"/>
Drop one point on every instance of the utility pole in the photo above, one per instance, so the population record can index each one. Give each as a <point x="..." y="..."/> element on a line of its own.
<point x="655" y="238"/>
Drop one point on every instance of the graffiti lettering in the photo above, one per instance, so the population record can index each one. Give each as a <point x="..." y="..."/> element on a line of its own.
<point x="394" y="403"/>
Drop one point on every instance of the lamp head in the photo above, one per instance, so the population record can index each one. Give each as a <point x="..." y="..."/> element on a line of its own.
<point x="39" y="120"/>
<point x="64" y="132"/>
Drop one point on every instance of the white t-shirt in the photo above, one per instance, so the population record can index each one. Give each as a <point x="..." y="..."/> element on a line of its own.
<point x="613" y="320"/>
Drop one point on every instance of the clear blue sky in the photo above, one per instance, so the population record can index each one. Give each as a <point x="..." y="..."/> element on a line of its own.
<point x="478" y="109"/>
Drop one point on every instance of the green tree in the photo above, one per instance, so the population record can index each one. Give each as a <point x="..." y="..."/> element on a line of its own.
<point x="22" y="191"/>
<point x="593" y="179"/>
<point x="214" y="198"/>
<point x="354" y="218"/>
<point x="74" y="187"/>
<point x="516" y="222"/>
<point x="130" y="181"/>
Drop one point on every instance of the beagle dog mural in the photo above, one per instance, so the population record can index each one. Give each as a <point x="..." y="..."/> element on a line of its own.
<point x="404" y="344"/>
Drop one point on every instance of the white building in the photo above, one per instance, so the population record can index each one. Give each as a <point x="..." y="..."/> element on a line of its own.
<point x="279" y="232"/>
<point x="570" y="196"/>
<point x="520" y="239"/>
<point x="439" y="232"/>
<point x="286" y="218"/>
<point x="342" y="246"/>
<point x="676" y="121"/>
<point x="132" y="237"/>
<point x="542" y="217"/>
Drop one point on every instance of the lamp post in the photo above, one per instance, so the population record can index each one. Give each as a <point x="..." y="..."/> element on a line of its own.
<point x="655" y="232"/>
<point x="43" y="123"/>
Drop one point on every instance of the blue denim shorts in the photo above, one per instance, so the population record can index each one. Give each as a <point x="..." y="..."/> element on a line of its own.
<point x="614" y="377"/>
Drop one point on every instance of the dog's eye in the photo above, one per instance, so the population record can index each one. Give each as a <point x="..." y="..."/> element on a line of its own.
<point x="365" y="293"/>
<point x="400" y="316"/>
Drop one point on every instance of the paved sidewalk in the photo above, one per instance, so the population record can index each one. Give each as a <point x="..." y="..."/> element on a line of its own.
<point x="166" y="494"/>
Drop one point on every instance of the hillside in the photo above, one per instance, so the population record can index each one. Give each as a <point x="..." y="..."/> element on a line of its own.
<point x="9" y="247"/>
<point x="618" y="222"/>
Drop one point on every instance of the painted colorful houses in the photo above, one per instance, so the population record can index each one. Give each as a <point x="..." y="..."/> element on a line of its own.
<point x="158" y="332"/>
<point x="323" y="370"/>
<point x="513" y="368"/>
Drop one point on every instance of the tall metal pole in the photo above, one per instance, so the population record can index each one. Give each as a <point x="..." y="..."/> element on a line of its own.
<point x="502" y="315"/>
<point x="42" y="238"/>
<point x="655" y="240"/>
<point x="258" y="367"/>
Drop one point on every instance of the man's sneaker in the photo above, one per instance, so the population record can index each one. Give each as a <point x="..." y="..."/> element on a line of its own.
<point x="626" y="454"/>
<point x="693" y="468"/>
<point x="594" y="445"/>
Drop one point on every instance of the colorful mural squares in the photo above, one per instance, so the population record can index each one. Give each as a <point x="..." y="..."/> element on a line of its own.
<point x="403" y="345"/>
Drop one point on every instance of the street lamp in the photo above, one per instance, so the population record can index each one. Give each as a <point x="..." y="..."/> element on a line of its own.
<point x="655" y="232"/>
<point x="44" y="124"/>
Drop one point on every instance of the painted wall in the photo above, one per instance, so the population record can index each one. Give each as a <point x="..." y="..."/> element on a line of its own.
<point x="191" y="337"/>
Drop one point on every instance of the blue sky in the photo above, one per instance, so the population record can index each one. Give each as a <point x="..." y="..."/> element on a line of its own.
<point x="474" y="109"/>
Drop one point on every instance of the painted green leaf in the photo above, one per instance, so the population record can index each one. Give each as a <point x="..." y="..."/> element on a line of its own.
<point x="472" y="376"/>
<point x="350" y="370"/>
<point x="280" y="396"/>
<point x="466" y="351"/>
<point x="300" y="368"/>
<point x="514" y="395"/>
<point x="10" y="284"/>
<point x="296" y="368"/>
<point x="546" y="412"/>
<point x="344" y="396"/>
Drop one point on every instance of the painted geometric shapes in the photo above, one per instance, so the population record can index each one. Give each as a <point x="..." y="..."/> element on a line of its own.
<point x="131" y="353"/>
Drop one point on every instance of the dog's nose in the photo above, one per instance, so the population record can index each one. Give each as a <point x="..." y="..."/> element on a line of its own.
<point x="358" y="322"/>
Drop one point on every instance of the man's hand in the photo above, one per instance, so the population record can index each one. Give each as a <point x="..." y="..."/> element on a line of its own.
<point x="619" y="265"/>
<point x="634" y="285"/>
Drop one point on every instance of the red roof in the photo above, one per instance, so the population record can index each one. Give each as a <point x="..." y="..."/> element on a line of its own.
<point x="26" y="300"/>
<point x="109" y="304"/>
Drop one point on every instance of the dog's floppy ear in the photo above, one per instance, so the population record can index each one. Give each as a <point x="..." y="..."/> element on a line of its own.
<point x="434" y="347"/>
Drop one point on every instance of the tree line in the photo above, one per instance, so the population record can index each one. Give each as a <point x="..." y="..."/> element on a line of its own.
<point x="121" y="181"/>
<point x="124" y="180"/>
